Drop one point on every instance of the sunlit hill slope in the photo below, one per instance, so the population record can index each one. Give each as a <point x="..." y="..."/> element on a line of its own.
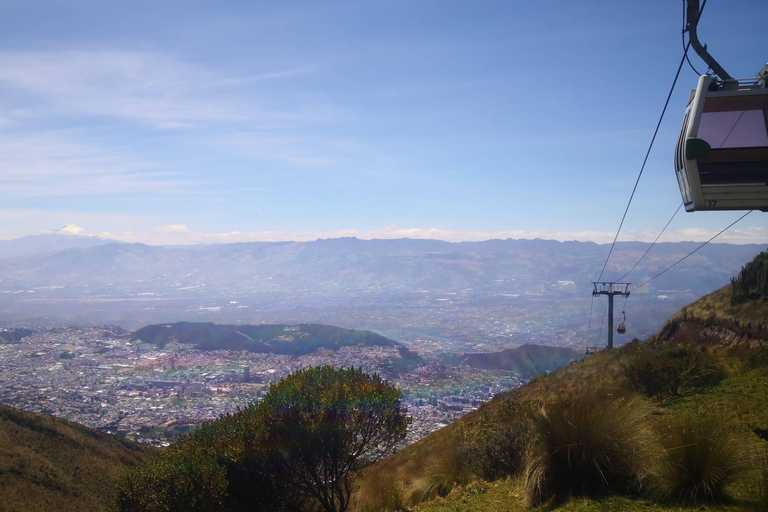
<point x="729" y="402"/>
<point x="47" y="463"/>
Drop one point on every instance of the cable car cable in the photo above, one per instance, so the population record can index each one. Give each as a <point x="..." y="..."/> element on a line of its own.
<point x="647" y="154"/>
<point x="602" y="322"/>
<point x="651" y="247"/>
<point x="690" y="253"/>
<point x="647" y="251"/>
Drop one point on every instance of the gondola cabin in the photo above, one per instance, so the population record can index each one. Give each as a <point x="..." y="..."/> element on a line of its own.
<point x="622" y="328"/>
<point x="721" y="159"/>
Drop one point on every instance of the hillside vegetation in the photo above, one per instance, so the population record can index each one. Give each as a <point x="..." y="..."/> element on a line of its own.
<point x="671" y="423"/>
<point x="47" y="463"/>
<point x="525" y="360"/>
<point x="273" y="338"/>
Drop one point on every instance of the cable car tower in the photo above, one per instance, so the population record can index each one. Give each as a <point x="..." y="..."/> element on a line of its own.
<point x="721" y="158"/>
<point x="611" y="290"/>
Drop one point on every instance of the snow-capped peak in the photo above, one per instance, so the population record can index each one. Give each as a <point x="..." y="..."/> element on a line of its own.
<point x="70" y="229"/>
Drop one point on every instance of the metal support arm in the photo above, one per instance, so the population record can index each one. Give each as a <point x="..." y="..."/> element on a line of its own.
<point x="692" y="23"/>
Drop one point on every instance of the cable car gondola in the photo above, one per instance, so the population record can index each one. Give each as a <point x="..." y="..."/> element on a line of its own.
<point x="621" y="328"/>
<point x="721" y="159"/>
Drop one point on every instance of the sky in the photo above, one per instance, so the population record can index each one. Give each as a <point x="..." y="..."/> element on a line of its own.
<point x="195" y="122"/>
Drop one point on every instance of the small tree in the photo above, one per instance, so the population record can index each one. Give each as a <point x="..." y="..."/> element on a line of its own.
<point x="328" y="423"/>
<point x="752" y="281"/>
<point x="295" y="450"/>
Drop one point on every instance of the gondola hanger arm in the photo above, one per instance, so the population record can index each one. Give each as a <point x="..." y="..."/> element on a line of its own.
<point x="692" y="22"/>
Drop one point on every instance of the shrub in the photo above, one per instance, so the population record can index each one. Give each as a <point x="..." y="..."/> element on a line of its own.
<point x="672" y="372"/>
<point x="589" y="446"/>
<point x="497" y="444"/>
<point x="195" y="482"/>
<point x="702" y="458"/>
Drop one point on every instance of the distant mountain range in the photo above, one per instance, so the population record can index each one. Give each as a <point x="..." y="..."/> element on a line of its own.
<point x="58" y="240"/>
<point x="498" y="292"/>
<point x="99" y="269"/>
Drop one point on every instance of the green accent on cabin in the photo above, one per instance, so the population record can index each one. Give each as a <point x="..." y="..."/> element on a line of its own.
<point x="696" y="148"/>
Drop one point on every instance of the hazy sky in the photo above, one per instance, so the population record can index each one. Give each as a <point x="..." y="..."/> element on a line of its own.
<point x="186" y="121"/>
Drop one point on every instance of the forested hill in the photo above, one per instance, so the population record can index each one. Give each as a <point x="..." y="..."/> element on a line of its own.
<point x="526" y="359"/>
<point x="267" y="338"/>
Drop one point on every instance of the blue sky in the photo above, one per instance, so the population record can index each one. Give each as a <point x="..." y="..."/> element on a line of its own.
<point x="191" y="121"/>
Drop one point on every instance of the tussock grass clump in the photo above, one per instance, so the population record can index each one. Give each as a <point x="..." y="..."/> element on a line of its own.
<point x="443" y="474"/>
<point x="498" y="443"/>
<point x="590" y="446"/>
<point x="392" y="496"/>
<point x="702" y="458"/>
<point x="760" y="494"/>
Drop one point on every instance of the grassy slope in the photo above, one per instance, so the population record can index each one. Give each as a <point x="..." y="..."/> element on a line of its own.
<point x="47" y="463"/>
<point x="710" y="322"/>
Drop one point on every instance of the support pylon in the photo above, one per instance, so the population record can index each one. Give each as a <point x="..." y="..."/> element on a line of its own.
<point x="611" y="290"/>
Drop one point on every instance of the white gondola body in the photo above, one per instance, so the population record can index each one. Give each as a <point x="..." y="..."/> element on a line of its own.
<point x="729" y="169"/>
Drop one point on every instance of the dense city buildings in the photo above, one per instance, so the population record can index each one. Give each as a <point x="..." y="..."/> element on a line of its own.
<point x="101" y="378"/>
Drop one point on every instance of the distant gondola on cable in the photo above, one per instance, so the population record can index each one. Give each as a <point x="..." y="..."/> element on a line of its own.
<point x="721" y="158"/>
<point x="622" y="328"/>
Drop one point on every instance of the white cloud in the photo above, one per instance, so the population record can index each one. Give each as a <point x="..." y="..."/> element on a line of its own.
<point x="173" y="228"/>
<point x="58" y="163"/>
<point x="150" y="87"/>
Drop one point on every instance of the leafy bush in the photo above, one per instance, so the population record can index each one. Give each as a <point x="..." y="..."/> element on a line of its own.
<point x="702" y="458"/>
<point x="672" y="372"/>
<point x="192" y="483"/>
<point x="497" y="444"/>
<point x="752" y="281"/>
<point x="589" y="446"/>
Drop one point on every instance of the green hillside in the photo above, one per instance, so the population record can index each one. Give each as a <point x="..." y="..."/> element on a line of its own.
<point x="47" y="463"/>
<point x="526" y="360"/>
<point x="273" y="338"/>
<point x="714" y="357"/>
